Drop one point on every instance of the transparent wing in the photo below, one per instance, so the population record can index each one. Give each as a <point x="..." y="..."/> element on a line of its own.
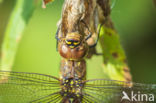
<point x="112" y="91"/>
<point x="51" y="98"/>
<point x="21" y="87"/>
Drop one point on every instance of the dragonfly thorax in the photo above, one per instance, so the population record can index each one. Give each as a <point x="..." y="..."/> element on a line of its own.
<point x="72" y="88"/>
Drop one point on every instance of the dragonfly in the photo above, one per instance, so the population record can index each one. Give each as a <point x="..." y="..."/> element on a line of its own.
<point x="72" y="86"/>
<point x="24" y="87"/>
<point x="74" y="39"/>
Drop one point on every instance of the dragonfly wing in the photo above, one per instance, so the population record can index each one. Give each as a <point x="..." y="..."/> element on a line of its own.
<point x="21" y="87"/>
<point x="112" y="91"/>
<point x="51" y="98"/>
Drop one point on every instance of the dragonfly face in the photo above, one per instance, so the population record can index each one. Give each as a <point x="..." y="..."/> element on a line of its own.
<point x="72" y="47"/>
<point x="73" y="40"/>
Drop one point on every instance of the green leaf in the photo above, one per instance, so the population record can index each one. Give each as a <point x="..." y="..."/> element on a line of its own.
<point x="17" y="23"/>
<point x="114" y="59"/>
<point x="1" y="1"/>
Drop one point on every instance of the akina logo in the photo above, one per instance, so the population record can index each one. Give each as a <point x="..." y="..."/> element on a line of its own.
<point x="137" y="97"/>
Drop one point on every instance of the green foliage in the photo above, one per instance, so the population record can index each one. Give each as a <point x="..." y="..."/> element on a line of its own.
<point x="14" y="30"/>
<point x="1" y="1"/>
<point x="113" y="54"/>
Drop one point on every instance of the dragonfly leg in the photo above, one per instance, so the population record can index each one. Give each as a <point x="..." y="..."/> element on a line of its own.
<point x="89" y="36"/>
<point x="56" y="37"/>
<point x="93" y="45"/>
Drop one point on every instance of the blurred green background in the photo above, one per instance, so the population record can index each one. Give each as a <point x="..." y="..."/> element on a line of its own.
<point x="135" y="21"/>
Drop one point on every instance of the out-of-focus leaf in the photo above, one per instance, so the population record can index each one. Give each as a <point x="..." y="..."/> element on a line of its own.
<point x="17" y="23"/>
<point x="113" y="2"/>
<point x="1" y="1"/>
<point x="46" y="2"/>
<point x="114" y="64"/>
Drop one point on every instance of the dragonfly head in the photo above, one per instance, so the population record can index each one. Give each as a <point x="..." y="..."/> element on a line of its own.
<point x="73" y="47"/>
<point x="72" y="88"/>
<point x="73" y="39"/>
